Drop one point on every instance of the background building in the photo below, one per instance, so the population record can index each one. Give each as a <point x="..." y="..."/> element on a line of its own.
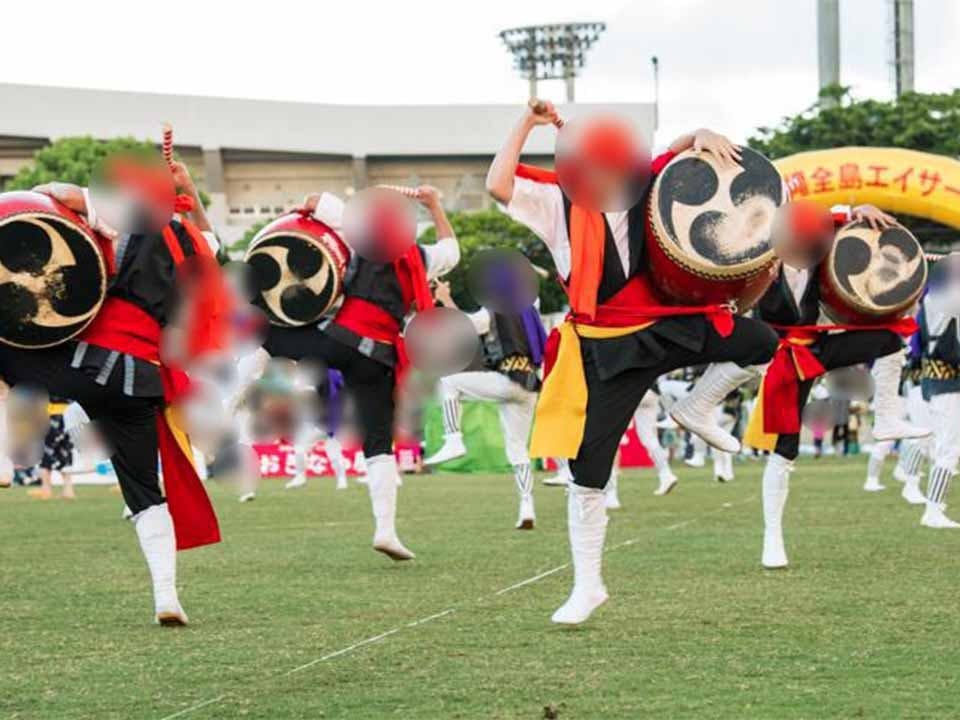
<point x="258" y="158"/>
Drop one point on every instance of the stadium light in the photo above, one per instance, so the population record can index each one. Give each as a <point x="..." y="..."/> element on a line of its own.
<point x="551" y="52"/>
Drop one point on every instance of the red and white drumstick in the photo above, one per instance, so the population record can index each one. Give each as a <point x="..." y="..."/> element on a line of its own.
<point x="404" y="190"/>
<point x="539" y="107"/>
<point x="167" y="147"/>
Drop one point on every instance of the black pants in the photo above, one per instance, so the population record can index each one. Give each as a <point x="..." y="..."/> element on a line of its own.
<point x="371" y="383"/>
<point x="836" y="351"/>
<point x="612" y="402"/>
<point x="128" y="425"/>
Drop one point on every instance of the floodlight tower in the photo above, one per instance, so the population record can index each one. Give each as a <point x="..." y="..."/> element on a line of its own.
<point x="901" y="45"/>
<point x="551" y="52"/>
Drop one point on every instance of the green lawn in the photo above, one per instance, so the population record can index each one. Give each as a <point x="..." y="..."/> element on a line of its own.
<point x="863" y="625"/>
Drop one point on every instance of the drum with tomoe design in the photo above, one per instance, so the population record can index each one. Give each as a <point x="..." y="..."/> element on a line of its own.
<point x="872" y="276"/>
<point x="53" y="276"/>
<point x="709" y="226"/>
<point x="298" y="265"/>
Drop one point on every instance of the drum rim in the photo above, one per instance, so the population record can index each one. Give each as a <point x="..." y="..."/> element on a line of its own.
<point x="702" y="269"/>
<point x="101" y="260"/>
<point x="325" y="251"/>
<point x="854" y="301"/>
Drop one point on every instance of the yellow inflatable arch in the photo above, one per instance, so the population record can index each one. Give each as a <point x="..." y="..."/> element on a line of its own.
<point x="895" y="180"/>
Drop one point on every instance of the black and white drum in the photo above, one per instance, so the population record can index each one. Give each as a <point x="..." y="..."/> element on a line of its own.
<point x="297" y="264"/>
<point x="53" y="276"/>
<point x="872" y="276"/>
<point x="709" y="228"/>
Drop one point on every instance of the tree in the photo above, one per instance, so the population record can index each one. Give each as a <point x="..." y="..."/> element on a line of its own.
<point x="74" y="159"/>
<point x="239" y="248"/>
<point x="929" y="122"/>
<point x="488" y="229"/>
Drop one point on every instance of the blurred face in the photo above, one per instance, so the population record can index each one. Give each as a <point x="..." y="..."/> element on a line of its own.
<point x="602" y="164"/>
<point x="133" y="192"/>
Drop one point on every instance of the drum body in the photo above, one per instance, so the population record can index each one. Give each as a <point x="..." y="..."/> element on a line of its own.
<point x="298" y="264"/>
<point x="872" y="276"/>
<point x="709" y="228"/>
<point x="53" y="276"/>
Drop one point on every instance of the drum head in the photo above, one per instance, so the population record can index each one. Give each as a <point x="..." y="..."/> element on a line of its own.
<point x="294" y="277"/>
<point x="52" y="279"/>
<point x="717" y="219"/>
<point x="876" y="272"/>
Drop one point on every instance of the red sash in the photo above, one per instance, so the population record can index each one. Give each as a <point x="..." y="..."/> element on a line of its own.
<point x="794" y="362"/>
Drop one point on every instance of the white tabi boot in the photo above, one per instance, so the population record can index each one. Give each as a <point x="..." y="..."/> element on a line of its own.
<point x="696" y="413"/>
<point x="563" y="476"/>
<point x="154" y="528"/>
<point x="382" y="483"/>
<point x="908" y="470"/>
<point x="587" y="522"/>
<point x="527" y="517"/>
<point x="881" y="449"/>
<point x="299" y="478"/>
<point x="611" y="493"/>
<point x="451" y="449"/>
<point x="888" y="423"/>
<point x="776" y="487"/>
<point x="453" y="446"/>
<point x="337" y="462"/>
<point x="937" y="487"/>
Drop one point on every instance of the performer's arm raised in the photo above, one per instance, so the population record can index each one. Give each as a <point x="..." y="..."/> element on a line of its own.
<point x="500" y="177"/>
<point x="444" y="254"/>
<point x="184" y="183"/>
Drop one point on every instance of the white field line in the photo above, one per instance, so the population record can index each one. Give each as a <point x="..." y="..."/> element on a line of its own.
<point x="199" y="705"/>
<point x="451" y="610"/>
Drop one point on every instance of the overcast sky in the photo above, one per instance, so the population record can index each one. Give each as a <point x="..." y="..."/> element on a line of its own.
<point x="731" y="64"/>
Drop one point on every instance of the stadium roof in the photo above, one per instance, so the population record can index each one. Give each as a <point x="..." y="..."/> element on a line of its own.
<point x="34" y="111"/>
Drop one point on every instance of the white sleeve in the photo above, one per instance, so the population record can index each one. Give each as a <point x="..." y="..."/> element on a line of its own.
<point x="480" y="320"/>
<point x="251" y="366"/>
<point x="441" y="257"/>
<point x="329" y="211"/>
<point x="539" y="206"/>
<point x="942" y="305"/>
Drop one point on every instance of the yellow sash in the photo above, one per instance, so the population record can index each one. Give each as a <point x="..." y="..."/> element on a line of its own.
<point x="171" y="414"/>
<point x="562" y="408"/>
<point x="754" y="436"/>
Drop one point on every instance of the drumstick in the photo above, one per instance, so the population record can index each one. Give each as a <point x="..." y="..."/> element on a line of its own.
<point x="404" y="190"/>
<point x="167" y="147"/>
<point x="539" y="107"/>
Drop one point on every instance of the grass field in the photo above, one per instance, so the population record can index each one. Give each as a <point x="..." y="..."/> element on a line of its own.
<point x="293" y="616"/>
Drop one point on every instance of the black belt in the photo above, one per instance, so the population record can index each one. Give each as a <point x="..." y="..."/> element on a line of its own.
<point x="383" y="353"/>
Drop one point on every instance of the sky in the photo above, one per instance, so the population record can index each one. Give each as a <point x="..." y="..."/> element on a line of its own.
<point x="731" y="65"/>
